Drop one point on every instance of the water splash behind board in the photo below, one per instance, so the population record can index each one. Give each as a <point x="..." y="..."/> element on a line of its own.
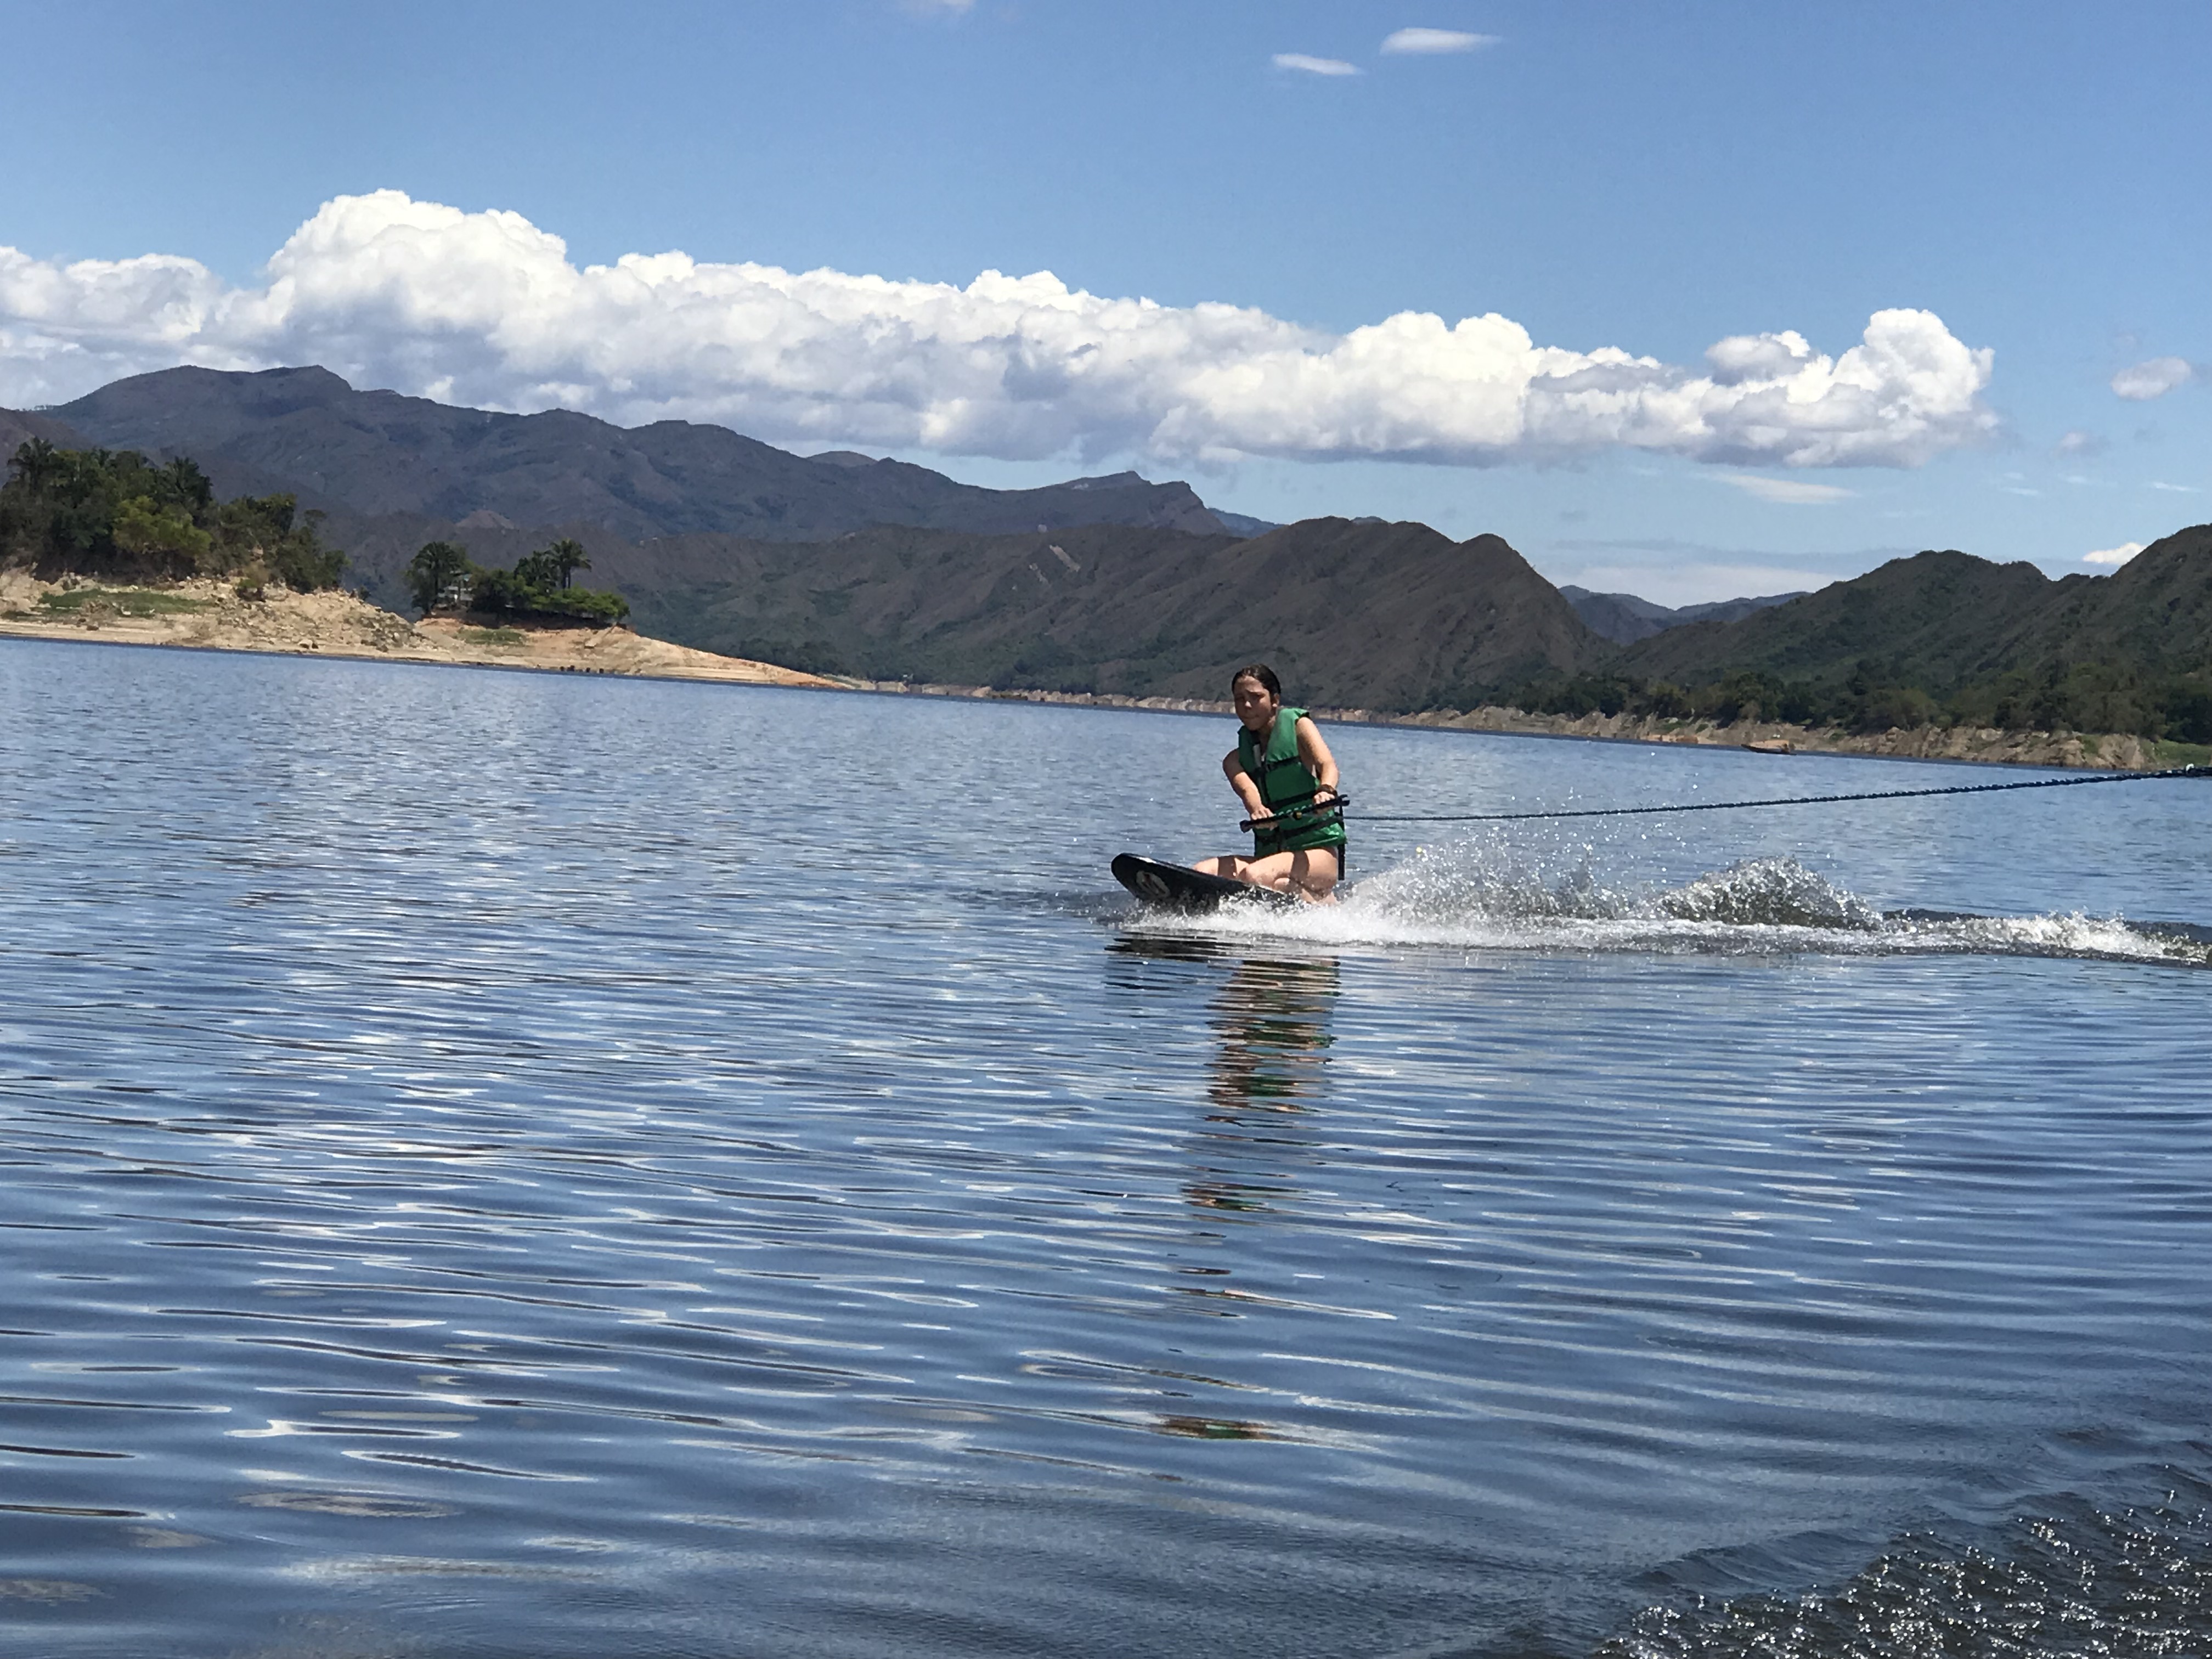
<point x="1487" y="898"/>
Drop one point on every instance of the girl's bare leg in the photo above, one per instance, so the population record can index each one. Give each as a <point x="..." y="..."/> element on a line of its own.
<point x="1271" y="871"/>
<point x="1311" y="875"/>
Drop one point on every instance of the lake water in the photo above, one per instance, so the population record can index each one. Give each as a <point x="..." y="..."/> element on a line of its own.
<point x="495" y="1164"/>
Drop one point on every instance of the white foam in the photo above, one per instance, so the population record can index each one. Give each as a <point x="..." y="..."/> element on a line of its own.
<point x="1470" y="898"/>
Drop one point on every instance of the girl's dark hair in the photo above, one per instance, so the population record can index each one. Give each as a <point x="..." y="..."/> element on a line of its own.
<point x="1261" y="673"/>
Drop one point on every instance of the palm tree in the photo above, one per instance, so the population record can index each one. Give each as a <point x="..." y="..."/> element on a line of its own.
<point x="539" y="570"/>
<point x="35" y="465"/>
<point x="435" y="575"/>
<point x="185" y="480"/>
<point x="568" y="557"/>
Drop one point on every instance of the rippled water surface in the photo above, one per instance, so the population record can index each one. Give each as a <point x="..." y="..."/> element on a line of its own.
<point x="496" y="1165"/>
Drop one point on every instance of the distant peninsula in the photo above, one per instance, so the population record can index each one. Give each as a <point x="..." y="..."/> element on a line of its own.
<point x="208" y="615"/>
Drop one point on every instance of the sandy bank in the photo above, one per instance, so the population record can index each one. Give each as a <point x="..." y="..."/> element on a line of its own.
<point x="209" y="616"/>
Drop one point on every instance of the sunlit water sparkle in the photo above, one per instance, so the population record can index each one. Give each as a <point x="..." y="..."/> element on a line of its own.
<point x="502" y="1164"/>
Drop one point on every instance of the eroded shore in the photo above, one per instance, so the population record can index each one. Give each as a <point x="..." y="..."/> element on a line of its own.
<point x="209" y="616"/>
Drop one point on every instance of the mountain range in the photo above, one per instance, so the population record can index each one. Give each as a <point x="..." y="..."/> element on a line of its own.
<point x="394" y="471"/>
<point x="845" y="563"/>
<point x="1624" y="618"/>
<point x="1389" y="616"/>
<point x="378" y="454"/>
<point x="1945" y="620"/>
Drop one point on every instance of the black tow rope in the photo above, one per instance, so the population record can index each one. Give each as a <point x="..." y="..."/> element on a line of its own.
<point x="1331" y="811"/>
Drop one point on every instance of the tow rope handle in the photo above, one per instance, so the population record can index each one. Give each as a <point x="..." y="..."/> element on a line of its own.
<point x="1316" y="814"/>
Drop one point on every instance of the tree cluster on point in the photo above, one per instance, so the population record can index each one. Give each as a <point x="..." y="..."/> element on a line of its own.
<point x="116" y="514"/>
<point x="539" y="588"/>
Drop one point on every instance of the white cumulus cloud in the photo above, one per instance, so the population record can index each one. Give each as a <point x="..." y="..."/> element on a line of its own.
<point x="2120" y="555"/>
<point x="1436" y="40"/>
<point x="2153" y="377"/>
<point x="486" y="309"/>
<point x="1299" y="61"/>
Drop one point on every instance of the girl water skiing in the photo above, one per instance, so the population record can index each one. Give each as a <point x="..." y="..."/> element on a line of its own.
<point x="1286" y="778"/>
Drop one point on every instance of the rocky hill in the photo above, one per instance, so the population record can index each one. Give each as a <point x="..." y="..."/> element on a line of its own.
<point x="1941" y="620"/>
<point x="369" y="455"/>
<point x="18" y="428"/>
<point x="1624" y="618"/>
<point x="1389" y="616"/>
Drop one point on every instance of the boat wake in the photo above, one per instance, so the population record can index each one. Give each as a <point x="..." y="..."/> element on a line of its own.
<point x="1775" y="906"/>
<point x="2072" y="1577"/>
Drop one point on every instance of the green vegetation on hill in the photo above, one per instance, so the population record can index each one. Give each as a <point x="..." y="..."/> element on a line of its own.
<point x="1939" y="639"/>
<point x="1384" y="616"/>
<point x="1877" y="696"/>
<point x="442" y="577"/>
<point x="114" y="513"/>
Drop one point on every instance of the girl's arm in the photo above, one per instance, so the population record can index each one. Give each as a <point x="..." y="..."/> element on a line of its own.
<point x="1315" y="753"/>
<point x="1246" y="791"/>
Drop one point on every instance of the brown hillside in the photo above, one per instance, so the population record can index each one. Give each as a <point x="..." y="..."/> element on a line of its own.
<point x="1383" y="616"/>
<point x="375" y="453"/>
<point x="18" y="428"/>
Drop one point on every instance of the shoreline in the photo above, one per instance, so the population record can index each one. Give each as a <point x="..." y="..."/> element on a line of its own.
<point x="208" y="615"/>
<point x="1985" y="746"/>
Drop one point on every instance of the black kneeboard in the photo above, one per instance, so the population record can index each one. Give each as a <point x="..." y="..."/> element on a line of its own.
<point x="1187" y="891"/>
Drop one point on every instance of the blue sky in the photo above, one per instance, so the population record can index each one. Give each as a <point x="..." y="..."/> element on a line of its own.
<point x="1623" y="185"/>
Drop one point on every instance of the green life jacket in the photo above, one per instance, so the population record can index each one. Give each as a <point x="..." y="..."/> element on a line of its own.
<point x="1285" y="786"/>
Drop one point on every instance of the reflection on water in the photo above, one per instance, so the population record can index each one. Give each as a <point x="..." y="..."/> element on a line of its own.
<point x="1215" y="1428"/>
<point x="1273" y="1018"/>
<point x="1270" y="1021"/>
